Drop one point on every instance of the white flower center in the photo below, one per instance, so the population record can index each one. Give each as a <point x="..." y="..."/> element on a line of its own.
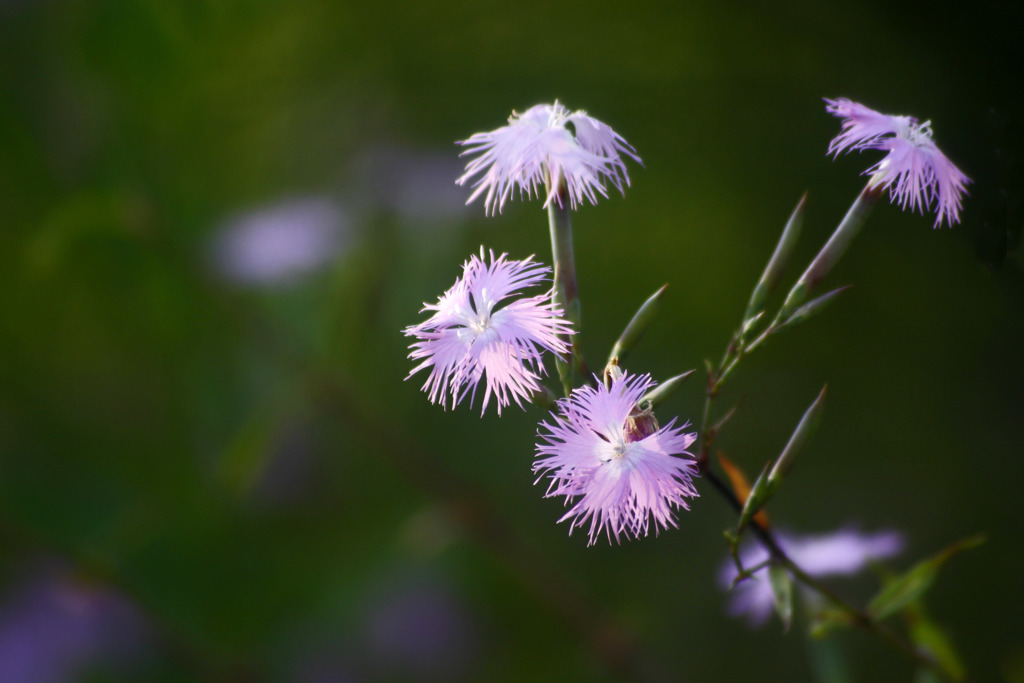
<point x="617" y="452"/>
<point x="920" y="134"/>
<point x="479" y="323"/>
<point x="475" y="327"/>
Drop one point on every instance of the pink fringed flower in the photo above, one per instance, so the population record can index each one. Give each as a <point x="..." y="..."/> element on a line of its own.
<point x="916" y="172"/>
<point x="613" y="464"/>
<point x="474" y="331"/>
<point x="838" y="553"/>
<point x="538" y="149"/>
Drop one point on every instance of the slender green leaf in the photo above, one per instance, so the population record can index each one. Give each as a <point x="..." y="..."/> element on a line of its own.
<point x="807" y="426"/>
<point x="810" y="309"/>
<point x="637" y="326"/>
<point x="929" y="636"/>
<point x="782" y="590"/>
<point x="776" y="264"/>
<point x="908" y="587"/>
<point x="664" y="390"/>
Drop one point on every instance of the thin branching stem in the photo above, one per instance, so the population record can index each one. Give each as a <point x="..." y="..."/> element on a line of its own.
<point x="856" y="616"/>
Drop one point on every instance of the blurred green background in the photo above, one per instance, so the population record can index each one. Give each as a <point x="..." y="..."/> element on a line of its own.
<point x="217" y="217"/>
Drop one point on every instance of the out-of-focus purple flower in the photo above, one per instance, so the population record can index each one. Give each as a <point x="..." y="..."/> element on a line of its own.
<point x="423" y="630"/>
<point x="411" y="627"/>
<point x="53" y="629"/>
<point x="916" y="172"/>
<point x="474" y="331"/>
<point x="278" y="243"/>
<point x="538" y="148"/>
<point x="839" y="553"/>
<point x="613" y="463"/>
<point x="413" y="184"/>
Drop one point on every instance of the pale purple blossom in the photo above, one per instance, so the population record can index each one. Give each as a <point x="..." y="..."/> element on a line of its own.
<point x="615" y="466"/>
<point x="56" y="626"/>
<point x="916" y="172"/>
<point x="838" y="553"/>
<point x="419" y="629"/>
<point x="476" y="330"/>
<point x="280" y="243"/>
<point x="539" y="149"/>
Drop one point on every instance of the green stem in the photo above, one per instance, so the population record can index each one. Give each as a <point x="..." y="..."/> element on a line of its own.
<point x="733" y="360"/>
<point x="823" y="262"/>
<point x="737" y="351"/>
<point x="565" y="292"/>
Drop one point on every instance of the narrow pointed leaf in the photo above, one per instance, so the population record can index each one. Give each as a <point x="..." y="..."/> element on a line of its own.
<point x="807" y="426"/>
<point x="928" y="636"/>
<point x="749" y="324"/>
<point x="831" y="252"/>
<point x="660" y="393"/>
<point x="776" y="264"/>
<point x="715" y="428"/>
<point x="911" y="585"/>
<point x="811" y="308"/>
<point x="637" y="326"/>
<point x="782" y="591"/>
